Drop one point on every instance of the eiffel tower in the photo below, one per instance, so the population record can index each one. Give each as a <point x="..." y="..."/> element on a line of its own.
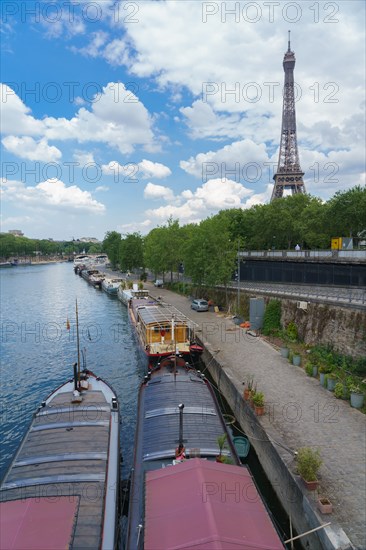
<point x="289" y="174"/>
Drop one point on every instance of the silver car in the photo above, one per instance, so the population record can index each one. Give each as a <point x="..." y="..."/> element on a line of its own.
<point x="199" y="305"/>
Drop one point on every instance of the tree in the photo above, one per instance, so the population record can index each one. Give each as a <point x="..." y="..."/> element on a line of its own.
<point x="131" y="252"/>
<point x="346" y="212"/>
<point x="111" y="245"/>
<point x="153" y="250"/>
<point x="210" y="255"/>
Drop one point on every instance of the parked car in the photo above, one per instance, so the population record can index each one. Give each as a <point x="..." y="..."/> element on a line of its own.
<point x="159" y="282"/>
<point x="199" y="305"/>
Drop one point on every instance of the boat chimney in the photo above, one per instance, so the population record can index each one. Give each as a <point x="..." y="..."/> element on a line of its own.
<point x="75" y="376"/>
<point x="181" y="407"/>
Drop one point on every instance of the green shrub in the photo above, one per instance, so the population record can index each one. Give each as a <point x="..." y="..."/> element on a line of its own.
<point x="309" y="369"/>
<point x="308" y="463"/>
<point x="338" y="390"/>
<point x="292" y="332"/>
<point x="272" y="318"/>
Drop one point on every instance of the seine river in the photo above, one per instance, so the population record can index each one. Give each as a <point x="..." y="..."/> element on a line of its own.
<point x="37" y="350"/>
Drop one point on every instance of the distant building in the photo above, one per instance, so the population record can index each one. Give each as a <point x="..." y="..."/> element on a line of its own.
<point x="89" y="240"/>
<point x="16" y="232"/>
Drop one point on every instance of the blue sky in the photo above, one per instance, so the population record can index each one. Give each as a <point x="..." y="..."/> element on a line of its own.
<point x="117" y="114"/>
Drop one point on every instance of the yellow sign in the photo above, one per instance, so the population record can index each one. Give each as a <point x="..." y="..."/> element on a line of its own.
<point x="336" y="243"/>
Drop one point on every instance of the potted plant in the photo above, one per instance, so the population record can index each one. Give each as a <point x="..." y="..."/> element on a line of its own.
<point x="308" y="464"/>
<point x="315" y="370"/>
<point x="258" y="401"/>
<point x="296" y="359"/>
<point x="221" y="440"/>
<point x="284" y="349"/>
<point x="248" y="387"/>
<point x="357" y="396"/>
<point x="323" y="370"/>
<point x="331" y="381"/>
<point x="324" y="505"/>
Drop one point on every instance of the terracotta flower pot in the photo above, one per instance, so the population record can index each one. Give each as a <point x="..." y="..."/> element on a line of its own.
<point x="259" y="411"/>
<point x="324" y="505"/>
<point x="246" y="394"/>
<point x="311" y="485"/>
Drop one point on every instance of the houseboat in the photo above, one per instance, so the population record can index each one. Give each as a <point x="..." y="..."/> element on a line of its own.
<point x="162" y="330"/>
<point x="127" y="294"/>
<point x="187" y="487"/>
<point x="82" y="259"/>
<point x="96" y="279"/>
<point x="61" y="490"/>
<point x="111" y="285"/>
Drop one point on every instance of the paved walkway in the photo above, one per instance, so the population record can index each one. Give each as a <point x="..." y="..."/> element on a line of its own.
<point x="299" y="413"/>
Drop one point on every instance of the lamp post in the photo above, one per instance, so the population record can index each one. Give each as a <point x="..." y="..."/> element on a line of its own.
<point x="238" y="269"/>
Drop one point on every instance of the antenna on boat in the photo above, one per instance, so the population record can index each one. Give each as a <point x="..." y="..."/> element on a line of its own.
<point x="181" y="407"/>
<point x="77" y="337"/>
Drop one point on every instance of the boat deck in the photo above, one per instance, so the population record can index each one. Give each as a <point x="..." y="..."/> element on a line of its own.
<point x="64" y="454"/>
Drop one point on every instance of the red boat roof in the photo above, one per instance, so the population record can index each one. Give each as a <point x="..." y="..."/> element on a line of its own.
<point x="38" y="523"/>
<point x="206" y="505"/>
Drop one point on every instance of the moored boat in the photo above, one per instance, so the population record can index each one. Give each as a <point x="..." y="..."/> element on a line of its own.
<point x="81" y="259"/>
<point x="61" y="490"/>
<point x="87" y="273"/>
<point x="162" y="330"/>
<point x="96" y="279"/>
<point x="110" y="285"/>
<point x="127" y="294"/>
<point x="186" y="490"/>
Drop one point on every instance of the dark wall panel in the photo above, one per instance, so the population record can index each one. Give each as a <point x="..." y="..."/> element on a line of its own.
<point x="303" y="272"/>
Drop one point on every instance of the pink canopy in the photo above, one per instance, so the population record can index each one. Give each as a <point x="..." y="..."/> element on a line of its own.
<point x="37" y="523"/>
<point x="200" y="504"/>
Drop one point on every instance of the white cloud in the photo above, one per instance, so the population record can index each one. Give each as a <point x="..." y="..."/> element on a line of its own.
<point x="241" y="160"/>
<point x="101" y="188"/>
<point x="28" y="148"/>
<point x="15" y="115"/>
<point x="153" y="169"/>
<point x="83" y="158"/>
<point x="135" y="227"/>
<point x="153" y="191"/>
<point x="49" y="195"/>
<point x="212" y="196"/>
<point x="117" y="118"/>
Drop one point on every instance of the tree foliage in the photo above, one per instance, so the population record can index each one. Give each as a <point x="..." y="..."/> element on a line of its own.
<point x="111" y="245"/>
<point x="131" y="252"/>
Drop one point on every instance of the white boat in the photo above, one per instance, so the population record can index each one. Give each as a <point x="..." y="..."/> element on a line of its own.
<point x="127" y="294"/>
<point x="111" y="285"/>
<point x="82" y="259"/>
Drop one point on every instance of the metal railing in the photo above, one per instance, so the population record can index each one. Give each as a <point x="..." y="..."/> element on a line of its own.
<point x="345" y="297"/>
<point x="342" y="255"/>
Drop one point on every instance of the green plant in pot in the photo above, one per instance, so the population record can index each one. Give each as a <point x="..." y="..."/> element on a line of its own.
<point x="258" y="401"/>
<point x="323" y="370"/>
<point x="357" y="396"/>
<point x="331" y="381"/>
<point x="308" y="464"/>
<point x="221" y="440"/>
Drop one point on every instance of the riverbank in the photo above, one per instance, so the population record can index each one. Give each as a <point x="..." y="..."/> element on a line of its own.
<point x="299" y="412"/>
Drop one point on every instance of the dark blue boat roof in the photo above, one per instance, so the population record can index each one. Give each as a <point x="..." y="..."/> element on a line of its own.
<point x="201" y="422"/>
